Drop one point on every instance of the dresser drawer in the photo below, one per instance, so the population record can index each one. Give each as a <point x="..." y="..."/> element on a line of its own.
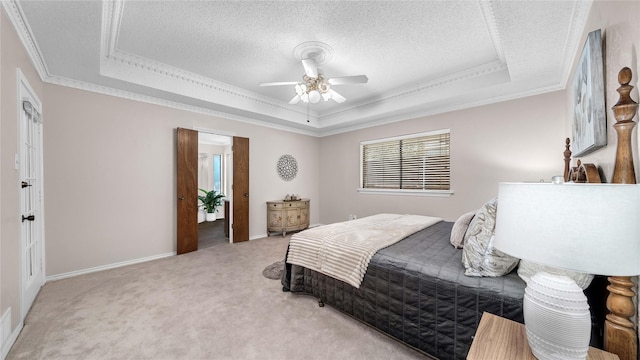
<point x="292" y="204"/>
<point x="277" y="206"/>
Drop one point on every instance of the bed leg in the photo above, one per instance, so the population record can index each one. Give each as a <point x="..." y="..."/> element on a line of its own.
<point x="320" y="303"/>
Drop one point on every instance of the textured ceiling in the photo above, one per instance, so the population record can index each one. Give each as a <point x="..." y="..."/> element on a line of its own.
<point x="421" y="57"/>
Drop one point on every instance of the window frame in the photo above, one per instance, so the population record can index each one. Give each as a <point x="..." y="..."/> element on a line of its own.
<point x="412" y="192"/>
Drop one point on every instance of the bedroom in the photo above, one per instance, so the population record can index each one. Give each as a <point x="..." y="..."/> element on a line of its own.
<point x="112" y="158"/>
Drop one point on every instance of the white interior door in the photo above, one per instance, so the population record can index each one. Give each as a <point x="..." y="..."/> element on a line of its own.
<point x="31" y="214"/>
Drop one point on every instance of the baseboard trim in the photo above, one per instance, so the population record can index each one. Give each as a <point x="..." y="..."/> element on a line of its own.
<point x="262" y="236"/>
<point x="5" y="329"/>
<point x="109" y="266"/>
<point x="256" y="237"/>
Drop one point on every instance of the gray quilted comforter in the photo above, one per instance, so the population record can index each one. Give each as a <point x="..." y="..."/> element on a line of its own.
<point x="416" y="292"/>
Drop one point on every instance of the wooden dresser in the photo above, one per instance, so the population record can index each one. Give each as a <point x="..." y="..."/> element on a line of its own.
<point x="284" y="216"/>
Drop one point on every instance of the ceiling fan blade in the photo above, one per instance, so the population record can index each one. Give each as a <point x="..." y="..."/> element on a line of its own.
<point x="356" y="79"/>
<point x="310" y="67"/>
<point x="278" y="83"/>
<point x="336" y="97"/>
<point x="295" y="100"/>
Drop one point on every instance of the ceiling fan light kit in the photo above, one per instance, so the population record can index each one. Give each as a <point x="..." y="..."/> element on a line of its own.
<point x="312" y="90"/>
<point x="315" y="86"/>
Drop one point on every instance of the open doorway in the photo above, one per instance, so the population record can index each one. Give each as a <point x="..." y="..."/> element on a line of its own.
<point x="214" y="175"/>
<point x="187" y="190"/>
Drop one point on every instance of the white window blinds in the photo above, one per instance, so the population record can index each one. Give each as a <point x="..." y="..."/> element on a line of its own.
<point x="413" y="162"/>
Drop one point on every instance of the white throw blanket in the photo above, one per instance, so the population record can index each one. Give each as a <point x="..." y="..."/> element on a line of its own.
<point x="343" y="250"/>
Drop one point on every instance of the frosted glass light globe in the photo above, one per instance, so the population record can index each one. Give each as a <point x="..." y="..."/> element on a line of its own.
<point x="314" y="96"/>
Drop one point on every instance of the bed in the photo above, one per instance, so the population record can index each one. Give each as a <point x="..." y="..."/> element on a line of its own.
<point x="416" y="291"/>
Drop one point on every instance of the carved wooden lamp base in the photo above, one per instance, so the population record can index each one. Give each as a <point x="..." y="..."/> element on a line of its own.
<point x="624" y="111"/>
<point x="620" y="335"/>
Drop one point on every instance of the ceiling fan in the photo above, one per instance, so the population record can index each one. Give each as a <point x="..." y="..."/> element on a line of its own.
<point x="315" y="86"/>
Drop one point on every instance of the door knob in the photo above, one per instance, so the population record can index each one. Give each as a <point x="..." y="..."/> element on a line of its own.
<point x="25" y="184"/>
<point x="246" y="194"/>
<point x="28" y="218"/>
<point x="181" y="197"/>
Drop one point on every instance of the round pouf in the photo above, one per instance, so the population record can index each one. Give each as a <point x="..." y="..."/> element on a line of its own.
<point x="556" y="317"/>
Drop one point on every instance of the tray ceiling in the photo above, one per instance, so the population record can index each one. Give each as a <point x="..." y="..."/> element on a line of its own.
<point x="421" y="57"/>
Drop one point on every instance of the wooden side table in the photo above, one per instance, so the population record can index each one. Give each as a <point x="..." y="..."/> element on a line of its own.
<point x="498" y="338"/>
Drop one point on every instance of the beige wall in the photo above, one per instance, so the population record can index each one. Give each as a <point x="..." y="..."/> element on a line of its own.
<point x="519" y="140"/>
<point x="620" y="24"/>
<point x="111" y="176"/>
<point x="12" y="57"/>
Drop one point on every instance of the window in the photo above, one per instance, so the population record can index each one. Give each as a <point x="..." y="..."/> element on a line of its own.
<point x="411" y="163"/>
<point x="217" y="172"/>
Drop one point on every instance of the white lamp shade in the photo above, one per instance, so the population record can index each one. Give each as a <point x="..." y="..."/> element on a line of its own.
<point x="592" y="228"/>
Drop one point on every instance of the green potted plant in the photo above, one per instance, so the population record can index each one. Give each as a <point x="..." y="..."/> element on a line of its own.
<point x="211" y="200"/>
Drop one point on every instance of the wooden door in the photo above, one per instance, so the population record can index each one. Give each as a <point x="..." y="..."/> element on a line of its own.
<point x="187" y="191"/>
<point x="240" y="203"/>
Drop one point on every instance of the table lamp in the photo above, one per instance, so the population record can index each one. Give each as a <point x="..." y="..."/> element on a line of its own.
<point x="590" y="228"/>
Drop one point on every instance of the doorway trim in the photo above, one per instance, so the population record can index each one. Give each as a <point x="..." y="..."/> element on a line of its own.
<point x="229" y="170"/>
<point x="26" y="92"/>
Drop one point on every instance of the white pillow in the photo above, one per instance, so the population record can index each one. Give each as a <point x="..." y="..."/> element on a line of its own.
<point x="527" y="269"/>
<point x="459" y="229"/>
<point x="479" y="257"/>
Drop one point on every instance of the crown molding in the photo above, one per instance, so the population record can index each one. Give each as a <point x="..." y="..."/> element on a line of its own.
<point x="435" y="110"/>
<point x="426" y="95"/>
<point x="581" y="11"/>
<point x="388" y="109"/>
<point x="125" y="66"/>
<point x="492" y="27"/>
<point x="16" y="16"/>
<point x="492" y="68"/>
<point x="104" y="90"/>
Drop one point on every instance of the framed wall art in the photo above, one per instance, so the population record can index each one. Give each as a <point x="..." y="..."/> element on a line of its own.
<point x="587" y="100"/>
<point x="287" y="167"/>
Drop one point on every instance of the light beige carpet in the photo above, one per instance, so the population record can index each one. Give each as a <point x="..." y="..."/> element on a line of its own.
<point x="211" y="304"/>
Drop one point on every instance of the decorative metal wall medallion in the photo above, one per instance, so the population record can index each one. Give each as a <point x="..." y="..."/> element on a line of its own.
<point x="287" y="167"/>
